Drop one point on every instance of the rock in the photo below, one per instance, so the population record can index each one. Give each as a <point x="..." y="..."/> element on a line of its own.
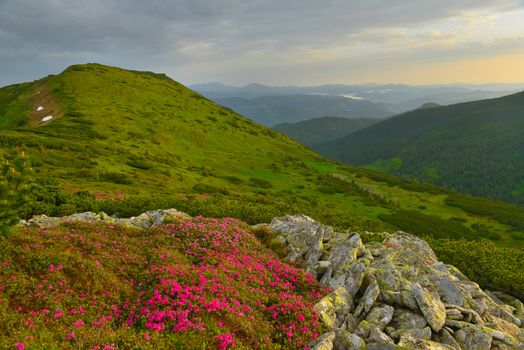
<point x="431" y="307"/>
<point x="410" y="243"/>
<point x="420" y="344"/>
<point x="363" y="329"/>
<point x="322" y="268"/>
<point x="454" y="312"/>
<point x="473" y="338"/>
<point x="355" y="275"/>
<point x="143" y="221"/>
<point x="416" y="333"/>
<point x="450" y="292"/>
<point x="380" y="316"/>
<point x="350" y="323"/>
<point x="404" y="319"/>
<point x="338" y="301"/>
<point x="325" y="342"/>
<point x="278" y="244"/>
<point x="347" y="341"/>
<point x="512" y="333"/>
<point x="445" y="337"/>
<point x="368" y="299"/>
<point x="379" y="346"/>
<point x="173" y="215"/>
<point x="344" y="252"/>
<point x="377" y="336"/>
<point x="304" y="236"/>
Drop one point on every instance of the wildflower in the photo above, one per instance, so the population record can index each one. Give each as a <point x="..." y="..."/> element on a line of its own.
<point x="20" y="346"/>
<point x="78" y="323"/>
<point x="225" y="340"/>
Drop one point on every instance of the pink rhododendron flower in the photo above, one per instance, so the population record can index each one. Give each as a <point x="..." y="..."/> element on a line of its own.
<point x="78" y="323"/>
<point x="224" y="341"/>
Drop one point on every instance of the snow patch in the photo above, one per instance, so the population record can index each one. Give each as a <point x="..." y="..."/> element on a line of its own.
<point x="352" y="97"/>
<point x="39" y="108"/>
<point x="46" y="118"/>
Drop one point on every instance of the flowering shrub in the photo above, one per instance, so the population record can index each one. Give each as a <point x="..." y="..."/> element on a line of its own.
<point x="201" y="283"/>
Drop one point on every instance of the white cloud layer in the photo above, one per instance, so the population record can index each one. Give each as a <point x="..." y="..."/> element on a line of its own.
<point x="236" y="41"/>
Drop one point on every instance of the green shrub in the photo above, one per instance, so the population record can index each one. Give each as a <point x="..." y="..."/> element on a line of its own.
<point x="260" y="182"/>
<point x="484" y="262"/>
<point x="207" y="188"/>
<point x="14" y="183"/>
<point x="419" y="224"/>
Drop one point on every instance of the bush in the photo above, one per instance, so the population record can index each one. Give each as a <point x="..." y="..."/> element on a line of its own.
<point x="260" y="182"/>
<point x="492" y="266"/>
<point x="417" y="223"/>
<point x="14" y="183"/>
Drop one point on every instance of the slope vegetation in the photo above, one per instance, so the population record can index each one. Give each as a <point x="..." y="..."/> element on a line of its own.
<point x="474" y="147"/>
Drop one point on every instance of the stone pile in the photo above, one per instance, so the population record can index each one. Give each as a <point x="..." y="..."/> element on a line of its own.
<point x="142" y="221"/>
<point x="395" y="294"/>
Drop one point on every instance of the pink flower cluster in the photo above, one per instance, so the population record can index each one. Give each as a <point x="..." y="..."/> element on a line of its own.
<point x="201" y="276"/>
<point x="224" y="341"/>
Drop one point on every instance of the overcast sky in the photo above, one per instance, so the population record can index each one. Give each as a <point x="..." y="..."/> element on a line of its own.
<point x="280" y="42"/>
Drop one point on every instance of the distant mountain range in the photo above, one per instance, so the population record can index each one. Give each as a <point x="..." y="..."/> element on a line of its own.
<point x="475" y="147"/>
<point x="272" y="110"/>
<point x="271" y="105"/>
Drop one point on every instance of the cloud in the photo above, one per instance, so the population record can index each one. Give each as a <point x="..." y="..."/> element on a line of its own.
<point x="191" y="38"/>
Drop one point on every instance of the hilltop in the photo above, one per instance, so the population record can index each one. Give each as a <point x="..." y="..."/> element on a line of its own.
<point x="473" y="147"/>
<point x="125" y="141"/>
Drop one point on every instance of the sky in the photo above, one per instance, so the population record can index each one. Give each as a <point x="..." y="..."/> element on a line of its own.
<point x="291" y="42"/>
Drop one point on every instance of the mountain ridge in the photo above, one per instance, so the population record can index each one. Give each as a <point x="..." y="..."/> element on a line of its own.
<point x="316" y="131"/>
<point x="480" y="138"/>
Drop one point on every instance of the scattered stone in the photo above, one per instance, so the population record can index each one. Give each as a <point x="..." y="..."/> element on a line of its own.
<point x="380" y="316"/>
<point x="347" y="341"/>
<point x="325" y="342"/>
<point x="473" y="338"/>
<point x="431" y="307"/>
<point x="338" y="301"/>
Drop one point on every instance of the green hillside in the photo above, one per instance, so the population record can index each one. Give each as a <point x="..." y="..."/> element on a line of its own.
<point x="475" y="147"/>
<point x="316" y="131"/>
<point x="125" y="142"/>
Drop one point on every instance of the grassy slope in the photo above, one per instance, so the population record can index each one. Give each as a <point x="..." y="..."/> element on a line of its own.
<point x="147" y="139"/>
<point x="474" y="147"/>
<point x="316" y="131"/>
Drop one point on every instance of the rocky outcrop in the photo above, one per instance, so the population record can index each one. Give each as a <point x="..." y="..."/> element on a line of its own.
<point x="142" y="221"/>
<point x="396" y="294"/>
